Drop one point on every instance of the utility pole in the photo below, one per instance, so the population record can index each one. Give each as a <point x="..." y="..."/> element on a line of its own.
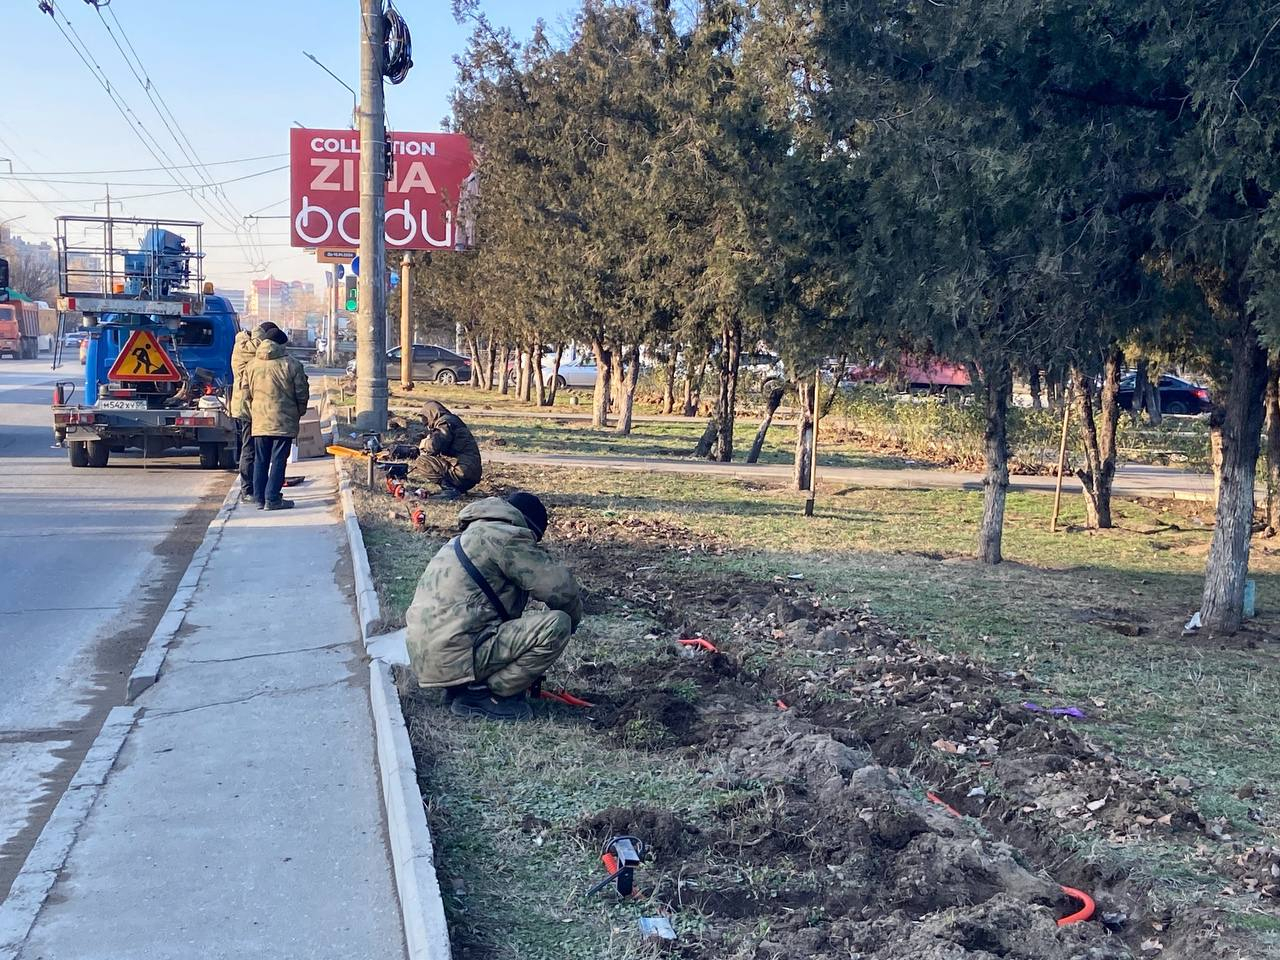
<point x="331" y="328"/>
<point x="406" y="327"/>
<point x="371" y="318"/>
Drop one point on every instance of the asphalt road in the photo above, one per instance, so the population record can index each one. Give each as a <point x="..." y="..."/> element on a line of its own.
<point x="88" y="561"/>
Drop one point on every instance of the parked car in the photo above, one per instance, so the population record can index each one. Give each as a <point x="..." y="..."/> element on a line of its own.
<point x="579" y="374"/>
<point x="1177" y="396"/>
<point x="429" y="363"/>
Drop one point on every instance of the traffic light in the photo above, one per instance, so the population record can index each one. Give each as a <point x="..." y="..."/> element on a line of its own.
<point x="351" y="300"/>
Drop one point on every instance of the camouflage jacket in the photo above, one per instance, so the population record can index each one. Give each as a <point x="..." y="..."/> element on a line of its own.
<point x="277" y="390"/>
<point x="246" y="347"/>
<point x="447" y="435"/>
<point x="450" y="615"/>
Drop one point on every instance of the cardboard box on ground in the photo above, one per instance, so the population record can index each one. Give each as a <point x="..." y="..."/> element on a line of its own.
<point x="310" y="443"/>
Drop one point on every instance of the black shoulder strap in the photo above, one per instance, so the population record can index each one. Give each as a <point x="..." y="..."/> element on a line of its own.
<point x="480" y="581"/>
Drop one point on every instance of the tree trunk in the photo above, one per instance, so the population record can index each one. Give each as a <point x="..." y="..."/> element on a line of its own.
<point x="1151" y="403"/>
<point x="801" y="473"/>
<point x="504" y="379"/>
<point x="1098" y="474"/>
<point x="491" y="362"/>
<point x="522" y="373"/>
<point x="473" y="345"/>
<point x="693" y="387"/>
<point x="1034" y="381"/>
<point x="1273" y="447"/>
<point x="770" y="408"/>
<point x="669" y="388"/>
<point x="535" y="363"/>
<point x="554" y="386"/>
<point x="723" y="449"/>
<point x="835" y="387"/>
<point x="617" y="377"/>
<point x="531" y="364"/>
<point x="1222" y="608"/>
<point x="1141" y="381"/>
<point x="996" y="389"/>
<point x="1051" y="389"/>
<point x="627" y="391"/>
<point x="604" y="367"/>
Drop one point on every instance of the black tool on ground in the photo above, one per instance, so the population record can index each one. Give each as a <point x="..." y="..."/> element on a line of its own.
<point x="394" y="471"/>
<point x="621" y="856"/>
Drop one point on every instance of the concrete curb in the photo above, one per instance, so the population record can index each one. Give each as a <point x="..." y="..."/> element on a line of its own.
<point x="147" y="670"/>
<point x="31" y="886"/>
<point x="426" y="932"/>
<point x="367" y="607"/>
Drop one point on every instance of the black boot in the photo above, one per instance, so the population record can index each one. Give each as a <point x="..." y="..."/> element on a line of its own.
<point x="485" y="703"/>
<point x="458" y="689"/>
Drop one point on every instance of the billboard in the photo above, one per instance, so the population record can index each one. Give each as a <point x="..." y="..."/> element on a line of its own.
<point x="423" y="189"/>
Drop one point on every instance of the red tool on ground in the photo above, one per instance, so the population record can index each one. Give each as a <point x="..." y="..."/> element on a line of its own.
<point x="1084" y="913"/>
<point x="1087" y="907"/>
<point x="563" y="696"/>
<point x="699" y="642"/>
<point x="418" y="517"/>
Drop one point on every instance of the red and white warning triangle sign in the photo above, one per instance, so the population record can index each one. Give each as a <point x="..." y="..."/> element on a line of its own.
<point x="144" y="359"/>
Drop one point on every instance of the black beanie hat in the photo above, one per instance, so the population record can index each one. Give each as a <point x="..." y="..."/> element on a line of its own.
<point x="265" y="329"/>
<point x="535" y="514"/>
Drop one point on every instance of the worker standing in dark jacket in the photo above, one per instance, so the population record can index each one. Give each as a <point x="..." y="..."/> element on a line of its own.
<point x="448" y="454"/>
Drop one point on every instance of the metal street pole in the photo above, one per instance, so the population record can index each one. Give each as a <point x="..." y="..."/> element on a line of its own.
<point x="406" y="328"/>
<point x="371" y="317"/>
<point x="331" y="330"/>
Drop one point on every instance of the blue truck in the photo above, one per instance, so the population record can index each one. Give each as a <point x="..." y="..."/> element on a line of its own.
<point x="158" y="366"/>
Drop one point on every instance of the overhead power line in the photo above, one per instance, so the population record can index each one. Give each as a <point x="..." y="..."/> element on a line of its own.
<point x="192" y="189"/>
<point x="180" y="166"/>
<point x="225" y="216"/>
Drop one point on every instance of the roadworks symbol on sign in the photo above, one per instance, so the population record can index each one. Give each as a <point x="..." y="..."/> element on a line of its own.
<point x="144" y="359"/>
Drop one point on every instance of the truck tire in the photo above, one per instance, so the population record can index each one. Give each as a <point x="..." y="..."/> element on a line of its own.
<point x="99" y="453"/>
<point x="210" y="454"/>
<point x="78" y="453"/>
<point x="227" y="459"/>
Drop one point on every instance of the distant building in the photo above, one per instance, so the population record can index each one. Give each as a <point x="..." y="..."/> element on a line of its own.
<point x="234" y="297"/>
<point x="268" y="298"/>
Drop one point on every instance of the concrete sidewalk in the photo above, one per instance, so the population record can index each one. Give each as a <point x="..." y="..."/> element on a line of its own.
<point x="242" y="816"/>
<point x="1132" y="480"/>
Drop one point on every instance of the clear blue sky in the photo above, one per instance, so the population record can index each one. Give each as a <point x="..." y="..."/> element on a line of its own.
<point x="233" y="73"/>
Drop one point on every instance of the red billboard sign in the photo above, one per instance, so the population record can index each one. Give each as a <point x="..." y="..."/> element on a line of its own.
<point x="422" y="191"/>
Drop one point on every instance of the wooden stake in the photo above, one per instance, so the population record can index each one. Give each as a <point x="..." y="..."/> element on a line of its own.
<point x="1062" y="463"/>
<point x="813" y="445"/>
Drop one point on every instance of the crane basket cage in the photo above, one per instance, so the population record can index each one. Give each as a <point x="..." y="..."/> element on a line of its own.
<point x="130" y="265"/>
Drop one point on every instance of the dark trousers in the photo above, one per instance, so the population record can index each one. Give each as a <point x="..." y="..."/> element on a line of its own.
<point x="245" y="429"/>
<point x="269" y="457"/>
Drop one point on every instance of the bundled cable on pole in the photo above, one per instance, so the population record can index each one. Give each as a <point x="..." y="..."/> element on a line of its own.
<point x="397" y="54"/>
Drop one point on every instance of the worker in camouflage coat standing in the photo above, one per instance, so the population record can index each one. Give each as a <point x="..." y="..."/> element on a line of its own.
<point x="467" y="628"/>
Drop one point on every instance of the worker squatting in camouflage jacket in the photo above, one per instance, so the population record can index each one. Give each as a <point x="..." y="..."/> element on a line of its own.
<point x="448" y="454"/>
<point x="454" y="633"/>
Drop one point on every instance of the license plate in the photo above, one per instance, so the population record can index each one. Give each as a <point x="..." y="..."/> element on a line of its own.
<point x="122" y="405"/>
